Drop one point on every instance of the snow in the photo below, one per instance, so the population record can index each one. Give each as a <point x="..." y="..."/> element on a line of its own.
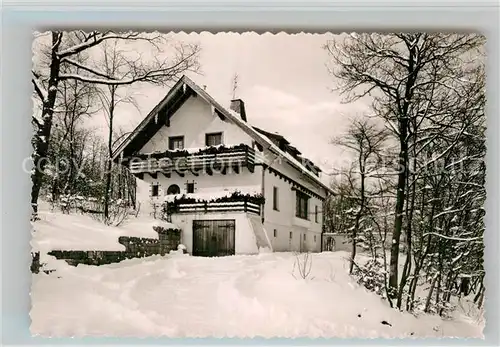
<point x="183" y="296"/>
<point x="163" y="224"/>
<point x="208" y="194"/>
<point x="190" y="150"/>
<point x="237" y="296"/>
<point x="58" y="231"/>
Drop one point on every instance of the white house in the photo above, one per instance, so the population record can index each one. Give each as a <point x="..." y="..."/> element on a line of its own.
<point x="232" y="188"/>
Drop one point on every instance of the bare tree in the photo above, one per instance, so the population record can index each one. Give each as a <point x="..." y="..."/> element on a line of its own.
<point x="75" y="103"/>
<point x="63" y="50"/>
<point x="114" y="62"/>
<point x="396" y="70"/>
<point x="366" y="140"/>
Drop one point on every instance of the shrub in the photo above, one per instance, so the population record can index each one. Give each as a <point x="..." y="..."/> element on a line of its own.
<point x="371" y="276"/>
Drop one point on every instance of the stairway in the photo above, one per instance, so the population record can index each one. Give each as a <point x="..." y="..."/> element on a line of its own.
<point x="261" y="236"/>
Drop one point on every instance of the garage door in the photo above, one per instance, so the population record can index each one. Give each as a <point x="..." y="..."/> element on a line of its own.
<point x="213" y="238"/>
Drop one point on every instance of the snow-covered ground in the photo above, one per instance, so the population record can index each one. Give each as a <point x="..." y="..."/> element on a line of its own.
<point x="237" y="296"/>
<point x="58" y="231"/>
<point x="183" y="296"/>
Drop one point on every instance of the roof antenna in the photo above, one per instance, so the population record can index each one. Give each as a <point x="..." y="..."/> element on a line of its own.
<point x="235" y="85"/>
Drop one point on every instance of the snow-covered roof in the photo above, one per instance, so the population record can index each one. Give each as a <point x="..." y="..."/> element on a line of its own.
<point x="233" y="117"/>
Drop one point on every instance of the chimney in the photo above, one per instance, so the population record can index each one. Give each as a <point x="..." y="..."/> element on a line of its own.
<point x="238" y="106"/>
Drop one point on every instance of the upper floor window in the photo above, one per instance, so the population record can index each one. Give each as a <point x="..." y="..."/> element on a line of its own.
<point x="275" y="199"/>
<point x="301" y="206"/>
<point x="316" y="214"/>
<point x="190" y="187"/>
<point x="175" y="142"/>
<point x="213" y="139"/>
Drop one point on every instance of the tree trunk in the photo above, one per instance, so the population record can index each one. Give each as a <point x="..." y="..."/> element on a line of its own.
<point x="359" y="214"/>
<point x="398" y="221"/>
<point x="109" y="163"/>
<point x="404" y="115"/>
<point x="131" y="188"/>
<point x="431" y="290"/>
<point x="41" y="142"/>
<point x="407" y="266"/>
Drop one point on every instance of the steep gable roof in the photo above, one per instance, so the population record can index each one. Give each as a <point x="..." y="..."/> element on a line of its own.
<point x="178" y="94"/>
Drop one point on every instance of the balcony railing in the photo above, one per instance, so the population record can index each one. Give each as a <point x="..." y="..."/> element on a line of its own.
<point x="218" y="207"/>
<point x="235" y="202"/>
<point x="209" y="160"/>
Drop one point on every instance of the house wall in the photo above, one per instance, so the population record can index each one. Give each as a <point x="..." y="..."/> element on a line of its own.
<point x="193" y="120"/>
<point x="284" y="220"/>
<point x="290" y="171"/>
<point x="245" y="241"/>
<point x="245" y="180"/>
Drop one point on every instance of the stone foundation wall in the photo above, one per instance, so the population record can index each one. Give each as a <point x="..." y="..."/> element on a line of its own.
<point x="135" y="247"/>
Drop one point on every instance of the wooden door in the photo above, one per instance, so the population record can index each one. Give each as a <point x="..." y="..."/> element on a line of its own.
<point x="213" y="238"/>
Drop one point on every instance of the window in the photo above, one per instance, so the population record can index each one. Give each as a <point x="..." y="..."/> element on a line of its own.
<point x="213" y="139"/>
<point x="301" y="207"/>
<point x="190" y="188"/>
<point x="316" y="214"/>
<point x="173" y="190"/>
<point x="314" y="238"/>
<point x="291" y="235"/>
<point x="275" y="233"/>
<point x="175" y="142"/>
<point x="155" y="188"/>
<point x="275" y="199"/>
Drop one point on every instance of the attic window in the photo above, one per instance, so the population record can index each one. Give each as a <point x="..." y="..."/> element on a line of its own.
<point x="175" y="142"/>
<point x="213" y="139"/>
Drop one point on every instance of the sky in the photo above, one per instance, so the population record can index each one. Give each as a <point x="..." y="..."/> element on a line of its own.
<point x="283" y="80"/>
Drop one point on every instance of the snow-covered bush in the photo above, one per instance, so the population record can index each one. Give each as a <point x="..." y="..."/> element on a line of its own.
<point x="371" y="276"/>
<point x="68" y="203"/>
<point x="118" y="212"/>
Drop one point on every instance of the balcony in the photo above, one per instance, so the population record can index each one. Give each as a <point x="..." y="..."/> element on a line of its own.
<point x="208" y="160"/>
<point x="235" y="202"/>
<point x="219" y="207"/>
